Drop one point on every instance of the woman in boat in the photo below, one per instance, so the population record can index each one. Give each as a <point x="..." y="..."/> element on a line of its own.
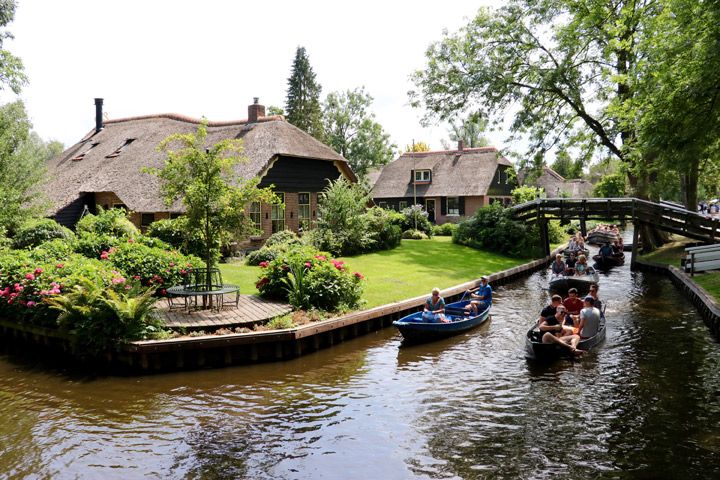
<point x="581" y="267"/>
<point x="434" y="310"/>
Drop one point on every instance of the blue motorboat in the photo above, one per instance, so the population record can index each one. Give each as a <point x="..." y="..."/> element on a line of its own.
<point x="415" y="329"/>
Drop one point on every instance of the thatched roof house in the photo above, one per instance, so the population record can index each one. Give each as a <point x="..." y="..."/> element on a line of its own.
<point x="451" y="184"/>
<point x="555" y="185"/>
<point x="105" y="167"/>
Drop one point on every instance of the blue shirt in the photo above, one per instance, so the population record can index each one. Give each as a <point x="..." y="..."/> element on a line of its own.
<point x="486" y="293"/>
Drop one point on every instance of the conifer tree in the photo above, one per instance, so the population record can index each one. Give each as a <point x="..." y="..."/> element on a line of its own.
<point x="303" y="96"/>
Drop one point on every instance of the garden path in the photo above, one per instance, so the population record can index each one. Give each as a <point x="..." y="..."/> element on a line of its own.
<point x="251" y="309"/>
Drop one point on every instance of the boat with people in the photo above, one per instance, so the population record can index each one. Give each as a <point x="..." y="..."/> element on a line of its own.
<point x="608" y="261"/>
<point x="414" y="328"/>
<point x="603" y="234"/>
<point x="563" y="283"/>
<point x="535" y="349"/>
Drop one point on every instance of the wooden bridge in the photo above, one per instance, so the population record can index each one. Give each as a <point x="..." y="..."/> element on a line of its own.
<point x="663" y="216"/>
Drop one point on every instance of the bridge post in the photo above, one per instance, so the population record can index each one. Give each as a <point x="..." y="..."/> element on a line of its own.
<point x="635" y="249"/>
<point x="544" y="236"/>
<point x="583" y="227"/>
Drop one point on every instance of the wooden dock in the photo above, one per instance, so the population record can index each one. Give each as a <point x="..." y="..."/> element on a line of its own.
<point x="251" y="310"/>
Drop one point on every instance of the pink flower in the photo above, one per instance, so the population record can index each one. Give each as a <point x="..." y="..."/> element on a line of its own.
<point x="308" y="265"/>
<point x="263" y="264"/>
<point x="322" y="258"/>
<point x="172" y="264"/>
<point x="117" y="280"/>
<point x="38" y="271"/>
<point x="60" y="265"/>
<point x="359" y="275"/>
<point x="339" y="266"/>
<point x="30" y="276"/>
<point x="183" y="272"/>
<point x="104" y="255"/>
<point x="112" y="250"/>
<point x="130" y="240"/>
<point x="31" y="304"/>
<point x="261" y="282"/>
<point x="19" y="288"/>
<point x="137" y="277"/>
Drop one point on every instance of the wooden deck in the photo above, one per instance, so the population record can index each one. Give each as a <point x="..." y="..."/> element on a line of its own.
<point x="251" y="309"/>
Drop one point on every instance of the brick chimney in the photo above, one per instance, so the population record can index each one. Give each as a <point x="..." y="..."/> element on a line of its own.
<point x="255" y="110"/>
<point x="461" y="145"/>
<point x="98" y="114"/>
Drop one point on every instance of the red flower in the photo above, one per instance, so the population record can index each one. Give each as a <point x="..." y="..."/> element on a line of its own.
<point x="60" y="265"/>
<point x="104" y="255"/>
<point x="38" y="271"/>
<point x="183" y="272"/>
<point x="30" y="276"/>
<point x="172" y="264"/>
<point x="163" y="292"/>
<point x="263" y="264"/>
<point x="359" y="275"/>
<point x="130" y="240"/>
<point x="308" y="265"/>
<point x="137" y="277"/>
<point x="322" y="258"/>
<point x="261" y="282"/>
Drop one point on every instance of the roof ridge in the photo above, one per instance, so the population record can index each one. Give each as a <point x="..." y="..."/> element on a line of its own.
<point x="187" y="119"/>
<point x="471" y="150"/>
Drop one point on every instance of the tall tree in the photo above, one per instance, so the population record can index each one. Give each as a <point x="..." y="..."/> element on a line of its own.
<point x="566" y="166"/>
<point x="471" y="130"/>
<point x="351" y="129"/>
<point x="11" y="67"/>
<point x="22" y="166"/>
<point x="214" y="195"/>
<point x="417" y="147"/>
<point x="303" y="96"/>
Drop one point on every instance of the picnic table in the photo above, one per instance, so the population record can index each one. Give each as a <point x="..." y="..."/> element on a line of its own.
<point x="207" y="287"/>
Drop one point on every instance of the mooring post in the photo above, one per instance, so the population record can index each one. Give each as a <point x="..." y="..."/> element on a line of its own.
<point x="583" y="227"/>
<point x="545" y="237"/>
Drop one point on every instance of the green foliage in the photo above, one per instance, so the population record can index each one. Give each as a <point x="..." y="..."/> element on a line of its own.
<point x="264" y="254"/>
<point x="113" y="222"/>
<point x="274" y="110"/>
<point x="314" y="279"/>
<point x="98" y="318"/>
<point x="342" y="226"/>
<point x="383" y="228"/>
<point x="492" y="228"/>
<point x="53" y="250"/>
<point x="287" y="237"/>
<point x="414" y="235"/>
<point x="566" y="166"/>
<point x="206" y="181"/>
<point x="11" y="67"/>
<point x="303" y="96"/>
<point x="351" y="130"/>
<point x="152" y="266"/>
<point x="178" y="234"/>
<point x="281" y="322"/>
<point x="610" y="186"/>
<point x="470" y="130"/>
<point x="415" y="217"/>
<point x="445" y="230"/>
<point x="92" y="245"/>
<point x="417" y="147"/>
<point x="526" y="193"/>
<point x="22" y="161"/>
<point x="34" y="232"/>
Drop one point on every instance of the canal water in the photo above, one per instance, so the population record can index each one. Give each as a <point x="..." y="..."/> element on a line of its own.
<point x="645" y="405"/>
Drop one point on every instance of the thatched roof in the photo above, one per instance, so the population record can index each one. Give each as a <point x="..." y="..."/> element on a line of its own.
<point x="99" y="170"/>
<point x="467" y="172"/>
<point x="555" y="184"/>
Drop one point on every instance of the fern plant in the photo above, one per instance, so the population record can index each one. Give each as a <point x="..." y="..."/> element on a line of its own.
<point x="296" y="286"/>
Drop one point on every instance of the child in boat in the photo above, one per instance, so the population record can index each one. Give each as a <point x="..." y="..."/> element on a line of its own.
<point x="434" y="310"/>
<point x="581" y="267"/>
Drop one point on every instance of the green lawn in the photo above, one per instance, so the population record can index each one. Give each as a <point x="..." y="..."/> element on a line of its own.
<point x="670" y="253"/>
<point x="710" y="281"/>
<point x="412" y="269"/>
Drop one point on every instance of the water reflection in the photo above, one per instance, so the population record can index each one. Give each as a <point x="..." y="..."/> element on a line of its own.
<point x="645" y="404"/>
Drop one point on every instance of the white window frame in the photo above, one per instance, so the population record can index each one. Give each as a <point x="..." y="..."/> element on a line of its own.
<point x="304" y="220"/>
<point x="256" y="214"/>
<point x="455" y="212"/>
<point x="420" y="176"/>
<point x="277" y="214"/>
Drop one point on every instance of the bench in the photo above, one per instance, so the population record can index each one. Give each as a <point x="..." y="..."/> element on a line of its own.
<point x="702" y="258"/>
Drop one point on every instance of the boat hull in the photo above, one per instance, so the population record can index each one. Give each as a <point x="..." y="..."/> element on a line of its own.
<point x="600" y="238"/>
<point x="415" y="330"/>
<point x="562" y="283"/>
<point x="536" y="350"/>
<point x="608" y="262"/>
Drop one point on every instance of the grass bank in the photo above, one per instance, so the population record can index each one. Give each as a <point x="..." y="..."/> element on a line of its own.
<point x="411" y="269"/>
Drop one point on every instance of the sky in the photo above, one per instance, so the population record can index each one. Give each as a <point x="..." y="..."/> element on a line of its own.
<point x="210" y="58"/>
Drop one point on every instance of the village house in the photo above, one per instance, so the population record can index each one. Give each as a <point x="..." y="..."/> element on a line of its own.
<point x="556" y="186"/>
<point x="450" y="184"/>
<point x="104" y="169"/>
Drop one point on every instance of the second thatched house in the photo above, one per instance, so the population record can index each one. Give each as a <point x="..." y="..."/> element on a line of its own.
<point x="105" y="168"/>
<point x="450" y="184"/>
<point x="555" y="185"/>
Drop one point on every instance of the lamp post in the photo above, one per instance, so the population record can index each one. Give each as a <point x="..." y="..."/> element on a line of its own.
<point x="414" y="183"/>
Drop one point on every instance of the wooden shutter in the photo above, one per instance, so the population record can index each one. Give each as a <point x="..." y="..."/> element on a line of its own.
<point x="461" y="205"/>
<point x="443" y="205"/>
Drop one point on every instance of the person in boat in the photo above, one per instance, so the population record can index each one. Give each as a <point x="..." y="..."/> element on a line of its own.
<point x="481" y="298"/>
<point x="617" y="247"/>
<point x="558" y="266"/>
<point x="581" y="267"/>
<point x="551" y="309"/>
<point x="589" y="318"/>
<point x="553" y="331"/>
<point x="606" y="250"/>
<point x="572" y="245"/>
<point x="573" y="305"/>
<point x="570" y="264"/>
<point x="434" y="310"/>
<point x="597" y="303"/>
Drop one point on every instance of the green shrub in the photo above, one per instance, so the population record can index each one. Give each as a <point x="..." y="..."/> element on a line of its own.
<point x="92" y="245"/>
<point x="414" y="235"/>
<point x="264" y="254"/>
<point x="383" y="228"/>
<point x="280" y="323"/>
<point x="492" y="228"/>
<point x="285" y="237"/>
<point x="53" y="250"/>
<point x="175" y="232"/>
<point x="33" y="233"/>
<point x="526" y="193"/>
<point x="415" y="215"/>
<point x="152" y="266"/>
<point x="342" y="227"/>
<point x="445" y="230"/>
<point x="98" y="317"/>
<point x="113" y="222"/>
<point x="326" y="283"/>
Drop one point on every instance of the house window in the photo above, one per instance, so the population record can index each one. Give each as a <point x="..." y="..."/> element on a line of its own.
<point x="453" y="206"/>
<point x="304" y="210"/>
<point x="146" y="219"/>
<point x="422" y="175"/>
<point x="382" y="204"/>
<point x="277" y="214"/>
<point x="120" y="148"/>
<point x="84" y="152"/>
<point x="255" y="215"/>
<point x="403" y="205"/>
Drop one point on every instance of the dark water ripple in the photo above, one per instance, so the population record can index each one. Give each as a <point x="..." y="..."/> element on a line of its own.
<point x="645" y="405"/>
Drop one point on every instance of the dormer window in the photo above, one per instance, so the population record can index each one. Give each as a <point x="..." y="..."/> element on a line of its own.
<point x="422" y="176"/>
<point x="84" y="152"/>
<point x="120" y="148"/>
